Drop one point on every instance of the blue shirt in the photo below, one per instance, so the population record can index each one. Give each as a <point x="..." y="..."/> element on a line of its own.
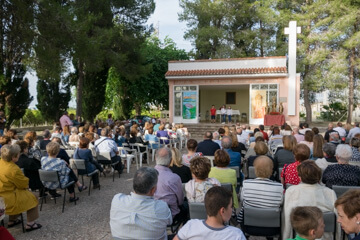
<point x="137" y="216"/>
<point x="235" y="158"/>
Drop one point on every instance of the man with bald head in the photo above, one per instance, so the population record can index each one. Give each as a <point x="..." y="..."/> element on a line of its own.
<point x="169" y="186"/>
<point x="207" y="147"/>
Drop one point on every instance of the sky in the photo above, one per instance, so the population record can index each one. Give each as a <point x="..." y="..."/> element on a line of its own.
<point x="165" y="18"/>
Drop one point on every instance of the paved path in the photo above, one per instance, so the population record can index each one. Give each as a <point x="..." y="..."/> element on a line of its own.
<point x="89" y="219"/>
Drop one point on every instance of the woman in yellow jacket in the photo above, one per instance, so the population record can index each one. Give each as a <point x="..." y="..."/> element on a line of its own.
<point x="14" y="189"/>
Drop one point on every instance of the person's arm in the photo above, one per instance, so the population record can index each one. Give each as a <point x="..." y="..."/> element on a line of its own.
<point x="19" y="179"/>
<point x="176" y="238"/>
<point x="177" y="188"/>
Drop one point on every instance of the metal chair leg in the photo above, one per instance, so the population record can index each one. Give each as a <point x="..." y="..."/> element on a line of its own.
<point x="64" y="200"/>
<point x="89" y="185"/>
<point x="22" y="222"/>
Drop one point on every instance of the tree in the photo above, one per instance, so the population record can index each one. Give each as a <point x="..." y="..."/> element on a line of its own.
<point x="127" y="91"/>
<point x="51" y="46"/>
<point x="52" y="99"/>
<point x="16" y="35"/>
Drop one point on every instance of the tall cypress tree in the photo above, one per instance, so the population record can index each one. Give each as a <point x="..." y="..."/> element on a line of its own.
<point x="16" y="36"/>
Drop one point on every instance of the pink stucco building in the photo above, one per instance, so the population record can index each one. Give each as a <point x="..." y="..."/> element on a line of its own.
<point x="245" y="84"/>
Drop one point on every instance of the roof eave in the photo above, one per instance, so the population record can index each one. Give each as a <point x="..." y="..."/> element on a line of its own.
<point x="274" y="75"/>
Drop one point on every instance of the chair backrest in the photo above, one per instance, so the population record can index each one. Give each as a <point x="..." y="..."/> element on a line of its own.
<point x="228" y="186"/>
<point x="262" y="217"/>
<point x="70" y="152"/>
<point x="330" y="222"/>
<point x="79" y="163"/>
<point x="183" y="189"/>
<point x="252" y="172"/>
<point x="280" y="170"/>
<point x="75" y="144"/>
<point x="354" y="163"/>
<point x="48" y="175"/>
<point x="211" y="158"/>
<point x="43" y="153"/>
<point x="197" y="211"/>
<point x="340" y="190"/>
<point x="103" y="156"/>
<point x="236" y="168"/>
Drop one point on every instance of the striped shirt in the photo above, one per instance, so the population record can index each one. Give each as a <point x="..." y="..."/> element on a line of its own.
<point x="260" y="193"/>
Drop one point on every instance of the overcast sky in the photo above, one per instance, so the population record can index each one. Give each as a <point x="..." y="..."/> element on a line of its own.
<point x="165" y="17"/>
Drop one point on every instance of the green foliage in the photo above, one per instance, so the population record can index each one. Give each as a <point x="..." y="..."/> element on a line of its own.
<point x="146" y="86"/>
<point x="94" y="93"/>
<point x="52" y="100"/>
<point x="334" y="111"/>
<point x="16" y="36"/>
<point x="30" y="118"/>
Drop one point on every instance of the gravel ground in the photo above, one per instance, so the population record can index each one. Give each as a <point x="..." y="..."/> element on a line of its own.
<point x="89" y="219"/>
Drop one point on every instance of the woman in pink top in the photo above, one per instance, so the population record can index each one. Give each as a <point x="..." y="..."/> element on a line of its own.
<point x="289" y="173"/>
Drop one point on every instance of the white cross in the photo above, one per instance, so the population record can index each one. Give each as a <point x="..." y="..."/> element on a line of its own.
<point x="292" y="31"/>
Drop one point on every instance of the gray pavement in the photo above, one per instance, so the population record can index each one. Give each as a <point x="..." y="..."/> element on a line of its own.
<point x="89" y="219"/>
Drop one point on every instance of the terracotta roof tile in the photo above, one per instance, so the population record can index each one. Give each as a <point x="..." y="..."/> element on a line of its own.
<point x="231" y="71"/>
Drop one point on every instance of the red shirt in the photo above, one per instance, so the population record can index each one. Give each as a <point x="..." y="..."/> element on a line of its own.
<point x="291" y="174"/>
<point x="213" y="111"/>
<point x="266" y="137"/>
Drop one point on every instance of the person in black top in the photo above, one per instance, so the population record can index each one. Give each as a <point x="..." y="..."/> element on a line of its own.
<point x="177" y="167"/>
<point x="42" y="143"/>
<point x="31" y="168"/>
<point x="329" y="130"/>
<point x="62" y="154"/>
<point x="207" y="147"/>
<point x="342" y="174"/>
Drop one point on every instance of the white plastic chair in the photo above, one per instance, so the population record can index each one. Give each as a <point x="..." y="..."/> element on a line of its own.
<point x="128" y="157"/>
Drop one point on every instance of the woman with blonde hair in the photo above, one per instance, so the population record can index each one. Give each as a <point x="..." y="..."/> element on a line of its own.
<point x="14" y="189"/>
<point x="178" y="168"/>
<point x="286" y="155"/>
<point x="66" y="133"/>
<point x="237" y="146"/>
<point x="227" y="131"/>
<point x="74" y="137"/>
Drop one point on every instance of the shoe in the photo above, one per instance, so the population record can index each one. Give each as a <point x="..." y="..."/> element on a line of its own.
<point x="16" y="222"/>
<point x="55" y="195"/>
<point x="83" y="187"/>
<point x="33" y="227"/>
<point x="73" y="199"/>
<point x="96" y="186"/>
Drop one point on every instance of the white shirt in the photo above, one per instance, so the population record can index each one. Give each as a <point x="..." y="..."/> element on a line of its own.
<point x="229" y="111"/>
<point x="104" y="144"/>
<point x="353" y="131"/>
<point x="139" y="217"/>
<point x="223" y="110"/>
<point x="308" y="195"/>
<point x="197" y="229"/>
<point x="341" y="131"/>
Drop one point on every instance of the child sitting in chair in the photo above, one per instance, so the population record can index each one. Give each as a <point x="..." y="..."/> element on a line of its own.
<point x="308" y="223"/>
<point x="218" y="205"/>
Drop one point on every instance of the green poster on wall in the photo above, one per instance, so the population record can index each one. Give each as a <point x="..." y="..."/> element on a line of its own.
<point x="189" y="105"/>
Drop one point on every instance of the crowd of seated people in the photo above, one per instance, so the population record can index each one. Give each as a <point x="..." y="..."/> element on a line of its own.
<point x="310" y="163"/>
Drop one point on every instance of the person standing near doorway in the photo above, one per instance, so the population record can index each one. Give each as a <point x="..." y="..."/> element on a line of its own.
<point x="229" y="113"/>
<point x="213" y="113"/>
<point x="223" y="114"/>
